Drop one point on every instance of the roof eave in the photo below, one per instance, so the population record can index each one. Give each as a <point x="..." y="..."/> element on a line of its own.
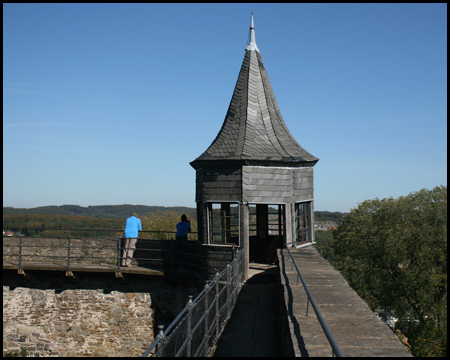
<point x="230" y="162"/>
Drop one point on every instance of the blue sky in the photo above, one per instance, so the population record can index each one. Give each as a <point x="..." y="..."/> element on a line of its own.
<point x="107" y="104"/>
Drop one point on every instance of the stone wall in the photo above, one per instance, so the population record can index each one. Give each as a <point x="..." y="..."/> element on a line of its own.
<point x="94" y="314"/>
<point x="76" y="322"/>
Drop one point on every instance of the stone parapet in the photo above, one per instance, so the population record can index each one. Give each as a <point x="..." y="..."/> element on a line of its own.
<point x="357" y="330"/>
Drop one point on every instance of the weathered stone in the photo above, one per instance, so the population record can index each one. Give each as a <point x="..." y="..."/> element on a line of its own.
<point x="355" y="327"/>
<point x="76" y="322"/>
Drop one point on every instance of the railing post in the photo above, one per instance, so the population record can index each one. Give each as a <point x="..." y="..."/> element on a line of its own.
<point x="217" y="316"/>
<point x="189" y="327"/>
<point x="20" y="271"/>
<point x="118" y="253"/>
<point x="171" y="256"/>
<point x="160" y="335"/>
<point x="68" y="255"/>
<point x="228" y="290"/>
<point x="161" y="331"/>
<point x="206" y="315"/>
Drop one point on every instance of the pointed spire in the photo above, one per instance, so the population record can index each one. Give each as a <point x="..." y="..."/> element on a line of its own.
<point x="254" y="132"/>
<point x="252" y="44"/>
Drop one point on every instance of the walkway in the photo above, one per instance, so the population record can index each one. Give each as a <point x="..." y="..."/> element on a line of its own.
<point x="252" y="329"/>
<point x="93" y="268"/>
<point x="356" y="329"/>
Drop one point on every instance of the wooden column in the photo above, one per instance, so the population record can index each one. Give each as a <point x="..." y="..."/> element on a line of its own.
<point x="245" y="243"/>
<point x="262" y="220"/>
<point x="225" y="210"/>
<point x="201" y="217"/>
<point x="289" y="230"/>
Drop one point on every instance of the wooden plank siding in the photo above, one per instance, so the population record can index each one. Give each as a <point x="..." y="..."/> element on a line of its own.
<point x="275" y="185"/>
<point x="219" y="184"/>
<point x="255" y="184"/>
<point x="303" y="189"/>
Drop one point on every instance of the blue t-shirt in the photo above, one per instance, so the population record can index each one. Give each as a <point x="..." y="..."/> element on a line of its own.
<point x="132" y="226"/>
<point x="183" y="228"/>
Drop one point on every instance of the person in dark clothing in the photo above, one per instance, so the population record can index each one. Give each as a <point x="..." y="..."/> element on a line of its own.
<point x="183" y="228"/>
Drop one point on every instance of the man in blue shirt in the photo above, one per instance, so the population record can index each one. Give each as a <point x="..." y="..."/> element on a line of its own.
<point x="132" y="227"/>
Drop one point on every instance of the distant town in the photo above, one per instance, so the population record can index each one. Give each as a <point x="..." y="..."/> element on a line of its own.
<point x="326" y="225"/>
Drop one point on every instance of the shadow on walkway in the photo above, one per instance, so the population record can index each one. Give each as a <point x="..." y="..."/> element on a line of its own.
<point x="253" y="329"/>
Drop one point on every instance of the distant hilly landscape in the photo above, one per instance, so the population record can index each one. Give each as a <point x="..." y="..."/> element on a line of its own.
<point x="124" y="211"/>
<point x="100" y="211"/>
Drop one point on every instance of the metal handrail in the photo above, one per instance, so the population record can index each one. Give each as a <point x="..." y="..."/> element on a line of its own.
<point x="21" y="229"/>
<point x="335" y="348"/>
<point x="231" y="286"/>
<point x="67" y="247"/>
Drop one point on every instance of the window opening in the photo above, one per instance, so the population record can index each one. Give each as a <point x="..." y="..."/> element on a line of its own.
<point x="275" y="220"/>
<point x="223" y="223"/>
<point x="303" y="222"/>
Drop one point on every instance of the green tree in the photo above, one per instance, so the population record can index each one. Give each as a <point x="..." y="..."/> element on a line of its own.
<point x="324" y="244"/>
<point x="393" y="252"/>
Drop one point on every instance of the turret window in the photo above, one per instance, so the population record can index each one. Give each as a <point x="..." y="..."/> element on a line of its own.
<point x="223" y="223"/>
<point x="303" y="222"/>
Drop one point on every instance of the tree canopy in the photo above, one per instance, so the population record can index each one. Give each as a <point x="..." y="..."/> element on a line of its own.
<point x="393" y="252"/>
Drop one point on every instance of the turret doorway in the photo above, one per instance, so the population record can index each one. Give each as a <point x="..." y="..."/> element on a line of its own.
<point x="266" y="231"/>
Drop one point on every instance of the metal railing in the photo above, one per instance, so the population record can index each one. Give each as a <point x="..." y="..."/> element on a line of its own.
<point x="95" y="233"/>
<point x="71" y="251"/>
<point x="335" y="348"/>
<point x="195" y="331"/>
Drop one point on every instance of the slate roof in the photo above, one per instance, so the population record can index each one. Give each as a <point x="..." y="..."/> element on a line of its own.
<point x="254" y="132"/>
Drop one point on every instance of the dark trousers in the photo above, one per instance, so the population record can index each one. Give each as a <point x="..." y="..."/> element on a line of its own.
<point x="182" y="245"/>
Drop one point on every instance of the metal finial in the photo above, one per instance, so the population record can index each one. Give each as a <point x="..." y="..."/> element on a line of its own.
<point x="252" y="43"/>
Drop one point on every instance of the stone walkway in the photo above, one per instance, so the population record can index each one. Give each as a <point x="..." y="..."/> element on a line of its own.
<point x="252" y="329"/>
<point x="356" y="329"/>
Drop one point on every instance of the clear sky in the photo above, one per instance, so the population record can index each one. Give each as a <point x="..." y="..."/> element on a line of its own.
<point x="107" y="104"/>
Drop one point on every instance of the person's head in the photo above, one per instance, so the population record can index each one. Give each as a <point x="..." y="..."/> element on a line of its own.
<point x="134" y="214"/>
<point x="183" y="218"/>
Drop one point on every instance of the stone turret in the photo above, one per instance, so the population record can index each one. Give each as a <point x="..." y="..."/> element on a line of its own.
<point x="254" y="183"/>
